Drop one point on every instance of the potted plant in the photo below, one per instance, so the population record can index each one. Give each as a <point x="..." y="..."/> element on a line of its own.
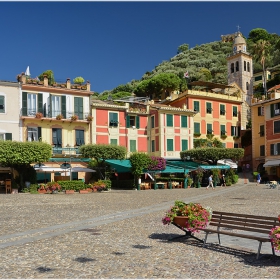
<point x="191" y="216"/>
<point x="39" y="115"/>
<point x="190" y="182"/>
<point x="74" y="118"/>
<point x="79" y="80"/>
<point x="59" y="117"/>
<point x="89" y="118"/>
<point x="53" y="187"/>
<point x="274" y="236"/>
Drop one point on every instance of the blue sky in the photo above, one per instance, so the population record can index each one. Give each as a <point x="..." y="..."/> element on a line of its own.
<point x="112" y="43"/>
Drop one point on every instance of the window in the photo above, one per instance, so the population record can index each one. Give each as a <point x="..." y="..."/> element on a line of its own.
<point x="114" y="141"/>
<point x="113" y="119"/>
<point x="209" y="128"/>
<point x="245" y="65"/>
<point x="276" y="127"/>
<point x="236" y="146"/>
<point x="152" y="121"/>
<point x="196" y="127"/>
<point x="274" y="109"/>
<point x="153" y="145"/>
<point x="232" y="67"/>
<point x="185" y="144"/>
<point x="80" y="137"/>
<point x="2" y="104"/>
<point x="274" y="149"/>
<point x="222" y="109"/>
<point x="260" y="111"/>
<point x="196" y="106"/>
<point x="57" y="140"/>
<point x="234" y="111"/>
<point x="235" y="131"/>
<point x="236" y="66"/>
<point x="132" y="145"/>
<point x="56" y="105"/>
<point x="248" y="66"/>
<point x="208" y="108"/>
<point x="169" y="120"/>
<point x="6" y="136"/>
<point x="33" y="133"/>
<point x="184" y="121"/>
<point x="223" y="129"/>
<point x="262" y="150"/>
<point x="247" y="86"/>
<point x="261" y="130"/>
<point x="79" y="107"/>
<point x="169" y="145"/>
<point x="132" y="121"/>
<point x="258" y="78"/>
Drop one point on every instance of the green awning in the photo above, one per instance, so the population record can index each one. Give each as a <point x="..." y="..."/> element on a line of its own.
<point x="119" y="166"/>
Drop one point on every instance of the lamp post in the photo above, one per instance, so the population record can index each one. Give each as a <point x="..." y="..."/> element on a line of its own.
<point x="185" y="177"/>
<point x="70" y="169"/>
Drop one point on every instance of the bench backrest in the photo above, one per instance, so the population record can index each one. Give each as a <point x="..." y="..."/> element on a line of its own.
<point x="261" y="224"/>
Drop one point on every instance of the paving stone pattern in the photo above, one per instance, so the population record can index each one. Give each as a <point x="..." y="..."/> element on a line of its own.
<point x="119" y="234"/>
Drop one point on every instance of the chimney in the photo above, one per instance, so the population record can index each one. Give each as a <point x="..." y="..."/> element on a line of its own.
<point x="46" y="81"/>
<point x="23" y="78"/>
<point x="68" y="83"/>
<point x="88" y="86"/>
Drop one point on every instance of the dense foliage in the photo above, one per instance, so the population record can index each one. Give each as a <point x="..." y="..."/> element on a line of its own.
<point x="139" y="161"/>
<point x="212" y="155"/>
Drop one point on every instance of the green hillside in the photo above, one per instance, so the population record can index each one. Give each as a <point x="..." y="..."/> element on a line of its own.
<point x="205" y="62"/>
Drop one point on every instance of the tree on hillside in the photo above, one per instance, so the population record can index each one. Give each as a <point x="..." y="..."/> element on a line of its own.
<point x="102" y="152"/>
<point x="258" y="34"/>
<point x="19" y="155"/>
<point x="183" y="48"/>
<point x="212" y="155"/>
<point x="261" y="53"/>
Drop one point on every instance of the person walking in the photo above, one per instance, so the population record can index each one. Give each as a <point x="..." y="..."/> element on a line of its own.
<point x="210" y="180"/>
<point x="258" y="179"/>
<point x="223" y="181"/>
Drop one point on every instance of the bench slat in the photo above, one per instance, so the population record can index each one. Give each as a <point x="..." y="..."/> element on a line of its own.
<point x="245" y="215"/>
<point x="259" y="238"/>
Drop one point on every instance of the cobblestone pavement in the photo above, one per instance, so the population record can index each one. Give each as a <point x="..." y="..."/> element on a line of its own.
<point x="119" y="234"/>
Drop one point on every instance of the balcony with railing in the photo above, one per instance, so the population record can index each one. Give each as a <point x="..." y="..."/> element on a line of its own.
<point x="58" y="115"/>
<point x="66" y="150"/>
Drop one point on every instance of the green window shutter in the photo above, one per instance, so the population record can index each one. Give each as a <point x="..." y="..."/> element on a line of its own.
<point x="132" y="145"/>
<point x="8" y="136"/>
<point x="196" y="106"/>
<point x="39" y="133"/>
<point x="114" y="141"/>
<point x="113" y="119"/>
<point x="222" y="109"/>
<point x="209" y="128"/>
<point x="169" y="120"/>
<point x="185" y="145"/>
<point x="223" y="129"/>
<point x="153" y="145"/>
<point x="50" y="106"/>
<point x="272" y="113"/>
<point x="63" y="105"/>
<point x="272" y="149"/>
<point x="238" y="131"/>
<point x="184" y="121"/>
<point x="196" y="127"/>
<point x="24" y="104"/>
<point x="152" y="121"/>
<point x="40" y="102"/>
<point x="208" y="108"/>
<point x="232" y="131"/>
<point x="78" y="107"/>
<point x="127" y="121"/>
<point x="80" y="137"/>
<point x="2" y="104"/>
<point x="234" y="111"/>
<point x="137" y="122"/>
<point x="169" y="145"/>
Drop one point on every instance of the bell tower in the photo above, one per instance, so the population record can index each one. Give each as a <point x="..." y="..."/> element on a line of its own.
<point x="240" y="67"/>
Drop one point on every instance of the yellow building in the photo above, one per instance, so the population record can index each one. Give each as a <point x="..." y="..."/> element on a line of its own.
<point x="58" y="114"/>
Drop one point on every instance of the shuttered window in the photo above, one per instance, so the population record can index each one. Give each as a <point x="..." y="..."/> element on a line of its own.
<point x="153" y="145"/>
<point x="78" y="107"/>
<point x="169" y="145"/>
<point x="57" y="137"/>
<point x="184" y="121"/>
<point x="152" y="121"/>
<point x="114" y="141"/>
<point x="196" y="106"/>
<point x="113" y="119"/>
<point x="223" y="129"/>
<point x="169" y="120"/>
<point x="234" y="111"/>
<point x="196" y="127"/>
<point x="262" y="150"/>
<point x="222" y="110"/>
<point x="208" y="108"/>
<point x="80" y="137"/>
<point x="132" y="145"/>
<point x="209" y="128"/>
<point x="185" y="144"/>
<point x="2" y="104"/>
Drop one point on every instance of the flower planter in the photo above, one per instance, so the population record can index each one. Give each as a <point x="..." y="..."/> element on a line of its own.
<point x="42" y="191"/>
<point x="69" y="191"/>
<point x="180" y="220"/>
<point x="89" y="190"/>
<point x="83" y="191"/>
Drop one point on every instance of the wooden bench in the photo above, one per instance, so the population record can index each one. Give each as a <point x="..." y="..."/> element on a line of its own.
<point x="242" y="225"/>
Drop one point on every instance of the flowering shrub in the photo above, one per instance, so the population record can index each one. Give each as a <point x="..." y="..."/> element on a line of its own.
<point x="198" y="216"/>
<point x="274" y="236"/>
<point x="158" y="163"/>
<point x="53" y="186"/>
